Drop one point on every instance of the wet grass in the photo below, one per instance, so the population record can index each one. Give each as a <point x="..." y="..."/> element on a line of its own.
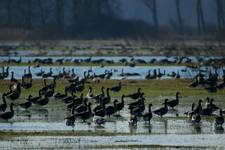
<point x="151" y="88"/>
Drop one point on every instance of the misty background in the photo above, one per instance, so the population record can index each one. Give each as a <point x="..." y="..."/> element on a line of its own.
<point x="108" y="19"/>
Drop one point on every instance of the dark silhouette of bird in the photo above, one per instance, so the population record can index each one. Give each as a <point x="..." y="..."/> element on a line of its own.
<point x="148" y="116"/>
<point x="4" y="105"/>
<point x="162" y="111"/>
<point x="117" y="88"/>
<point x="175" y="102"/>
<point x="8" y="115"/>
<point x="219" y="119"/>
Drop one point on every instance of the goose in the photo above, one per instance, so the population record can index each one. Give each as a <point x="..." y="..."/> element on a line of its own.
<point x="26" y="84"/>
<point x="139" y="109"/>
<point x="58" y="96"/>
<point x="148" y="116"/>
<point x="70" y="120"/>
<point x="85" y="114"/>
<point x="120" y="106"/>
<point x="8" y="115"/>
<point x="189" y="114"/>
<point x="42" y="101"/>
<point x="213" y="106"/>
<point x="132" y="119"/>
<point x="99" y="106"/>
<point x="82" y="107"/>
<point x="90" y="94"/>
<point x="162" y="111"/>
<point x="107" y="98"/>
<point x="174" y="103"/>
<point x="196" y="118"/>
<point x="135" y="95"/>
<point x="50" y="92"/>
<point x="97" y="97"/>
<point x="35" y="99"/>
<point x="40" y="73"/>
<point x="14" y="94"/>
<point x="207" y="104"/>
<point x="135" y="104"/>
<point x="13" y="80"/>
<point x="198" y="110"/>
<point x="98" y="120"/>
<point x="100" y="112"/>
<point x="4" y="105"/>
<point x="219" y="119"/>
<point x="75" y="102"/>
<point x="117" y="88"/>
<point x="49" y="74"/>
<point x="110" y="110"/>
<point x="68" y="99"/>
<point x="27" y="104"/>
<point x="29" y="74"/>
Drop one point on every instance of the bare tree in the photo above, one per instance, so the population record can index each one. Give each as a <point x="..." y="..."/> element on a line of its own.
<point x="60" y="14"/>
<point x="200" y="17"/>
<point x="9" y="12"/>
<point x="179" y="16"/>
<point x="220" y="14"/>
<point x="42" y="13"/>
<point x="152" y="5"/>
<point x="26" y="12"/>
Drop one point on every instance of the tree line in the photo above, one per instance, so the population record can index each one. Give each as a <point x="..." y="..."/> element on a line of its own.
<point x="97" y="18"/>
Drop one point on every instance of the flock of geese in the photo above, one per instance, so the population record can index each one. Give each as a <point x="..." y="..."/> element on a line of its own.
<point x="132" y="61"/>
<point x="95" y="107"/>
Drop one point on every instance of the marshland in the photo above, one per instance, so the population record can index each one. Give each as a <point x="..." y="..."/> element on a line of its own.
<point x="143" y="74"/>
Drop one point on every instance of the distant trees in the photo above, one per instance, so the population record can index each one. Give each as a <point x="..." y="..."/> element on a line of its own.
<point x="73" y="18"/>
<point x="152" y="5"/>
<point x="60" y="15"/>
<point x="200" y="17"/>
<point x="179" y="16"/>
<point x="220" y="6"/>
<point x="9" y="12"/>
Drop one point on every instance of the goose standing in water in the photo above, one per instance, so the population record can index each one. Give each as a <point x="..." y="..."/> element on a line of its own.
<point x="110" y="110"/>
<point x="26" y="104"/>
<point x="13" y="80"/>
<point x="4" y="105"/>
<point x="132" y="119"/>
<point x="162" y="111"/>
<point x="98" y="120"/>
<point x="148" y="116"/>
<point x="120" y="106"/>
<point x="97" y="97"/>
<point x="219" y="119"/>
<point x="85" y="114"/>
<point x="198" y="110"/>
<point x="8" y="115"/>
<point x="174" y="103"/>
<point x="107" y="98"/>
<point x="42" y="101"/>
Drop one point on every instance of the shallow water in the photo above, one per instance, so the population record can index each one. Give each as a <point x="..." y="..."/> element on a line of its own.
<point x="167" y="131"/>
<point x="185" y="73"/>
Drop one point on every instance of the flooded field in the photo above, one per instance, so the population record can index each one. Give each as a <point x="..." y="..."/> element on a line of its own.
<point x="171" y="131"/>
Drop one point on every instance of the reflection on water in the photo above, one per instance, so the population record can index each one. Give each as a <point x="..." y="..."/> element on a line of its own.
<point x="161" y="131"/>
<point x="53" y="120"/>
